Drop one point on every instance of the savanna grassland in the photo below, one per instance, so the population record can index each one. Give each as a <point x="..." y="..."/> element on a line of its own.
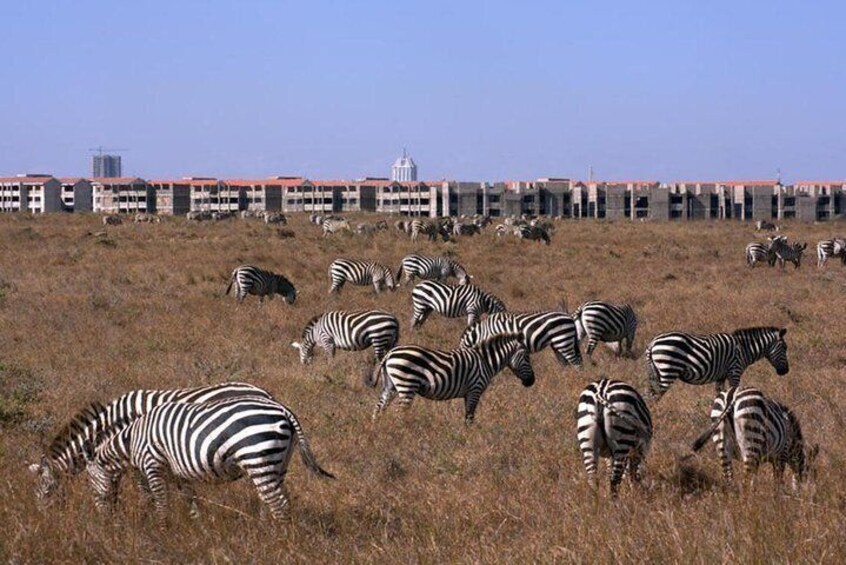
<point x="88" y="317"/>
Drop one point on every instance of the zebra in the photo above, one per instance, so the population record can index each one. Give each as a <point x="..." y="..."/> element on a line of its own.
<point x="763" y="225"/>
<point x="613" y="421"/>
<point x="112" y="220"/>
<point x="65" y="455"/>
<point x="433" y="268"/>
<point x="143" y="217"/>
<point x="538" y="330"/>
<point x="702" y="359"/>
<point x="360" y="273"/>
<point x="211" y="442"/>
<point x="831" y="248"/>
<point x="198" y="215"/>
<point x="275" y="218"/>
<point x="351" y="331"/>
<point x="466" y="229"/>
<point x="785" y="252"/>
<point x="252" y="280"/>
<point x="452" y="301"/>
<point x="331" y="225"/>
<point x="756" y="252"/>
<point x="748" y="425"/>
<point x="431" y="229"/>
<point x="465" y="372"/>
<point x="534" y="233"/>
<point x="610" y="323"/>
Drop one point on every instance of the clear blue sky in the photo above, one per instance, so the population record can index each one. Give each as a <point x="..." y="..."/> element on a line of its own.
<point x="476" y="90"/>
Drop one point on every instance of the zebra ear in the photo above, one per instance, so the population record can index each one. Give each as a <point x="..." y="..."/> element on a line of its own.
<point x="781" y="332"/>
<point x="296" y="345"/>
<point x="34" y="468"/>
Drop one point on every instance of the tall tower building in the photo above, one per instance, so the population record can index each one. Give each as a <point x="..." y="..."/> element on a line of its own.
<point x="106" y="166"/>
<point x="404" y="168"/>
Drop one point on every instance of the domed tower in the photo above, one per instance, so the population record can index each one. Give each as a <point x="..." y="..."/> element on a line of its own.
<point x="404" y="168"/>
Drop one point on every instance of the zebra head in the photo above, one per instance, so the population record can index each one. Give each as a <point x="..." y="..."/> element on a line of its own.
<point x="493" y="305"/>
<point x="306" y="347"/>
<point x="776" y="353"/>
<point x="461" y="274"/>
<point x="509" y="350"/>
<point x="286" y="289"/>
<point x="48" y="482"/>
<point x="103" y="477"/>
<point x="390" y="281"/>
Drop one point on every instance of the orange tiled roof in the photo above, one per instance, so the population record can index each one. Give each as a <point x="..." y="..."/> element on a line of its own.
<point x="26" y="180"/>
<point x="117" y="180"/>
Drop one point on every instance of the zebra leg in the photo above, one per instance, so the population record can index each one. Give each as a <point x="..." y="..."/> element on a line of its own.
<point x="635" y="465"/>
<point x="471" y="402"/>
<point x="618" y="469"/>
<point x="143" y="487"/>
<point x="271" y="490"/>
<point x="724" y="453"/>
<point x="419" y="317"/>
<point x="186" y="490"/>
<point x="388" y="394"/>
<point x="591" y="346"/>
<point x="153" y="475"/>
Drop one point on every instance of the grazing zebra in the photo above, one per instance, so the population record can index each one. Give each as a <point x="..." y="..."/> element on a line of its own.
<point x="143" y="217"/>
<point x="465" y="372"/>
<point x="331" y="225"/>
<point x="538" y="329"/>
<point x="351" y="331"/>
<point x="211" y="442"/>
<point x="112" y="220"/>
<point x="613" y="421"/>
<point x="831" y="248"/>
<point x="275" y="218"/>
<point x="360" y="273"/>
<point x="252" y="280"/>
<point x="432" y="268"/>
<point x="763" y="225"/>
<point x="748" y="425"/>
<point x="452" y="301"/>
<point x="759" y="252"/>
<point x="429" y="228"/>
<point x="787" y="252"/>
<point x="534" y="233"/>
<point x="702" y="359"/>
<point x="610" y="323"/>
<point x="65" y="453"/>
<point x="465" y="229"/>
<point x="505" y="229"/>
<point x="198" y="215"/>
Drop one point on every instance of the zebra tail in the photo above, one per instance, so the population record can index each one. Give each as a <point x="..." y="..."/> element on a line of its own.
<point x="643" y="432"/>
<point x="372" y="379"/>
<point x="700" y="441"/>
<point x="228" y="288"/>
<point x="309" y="460"/>
<point x="399" y="274"/>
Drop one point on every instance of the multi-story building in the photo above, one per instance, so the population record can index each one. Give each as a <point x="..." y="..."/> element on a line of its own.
<point x="829" y="198"/>
<point x="404" y="168"/>
<point x="76" y="194"/>
<point x="213" y="195"/>
<point x="106" y="166"/>
<point x="173" y="197"/>
<point x="260" y="195"/>
<point x="35" y="193"/>
<point x="122" y="195"/>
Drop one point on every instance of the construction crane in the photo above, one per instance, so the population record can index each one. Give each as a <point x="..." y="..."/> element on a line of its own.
<point x="100" y="149"/>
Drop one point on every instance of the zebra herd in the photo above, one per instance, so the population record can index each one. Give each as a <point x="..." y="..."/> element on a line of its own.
<point x="779" y="250"/>
<point x="223" y="432"/>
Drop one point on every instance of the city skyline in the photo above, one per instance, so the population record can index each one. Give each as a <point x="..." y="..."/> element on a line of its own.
<point x="477" y="90"/>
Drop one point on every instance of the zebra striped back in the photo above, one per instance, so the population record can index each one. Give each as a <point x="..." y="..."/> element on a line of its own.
<point x="429" y="228"/>
<point x="409" y="371"/>
<point x="333" y="225"/>
<point x="249" y="279"/>
<point x="452" y="301"/>
<point x="351" y="331"/>
<point x="606" y="322"/>
<point x="748" y="425"/>
<point x="831" y="248"/>
<point x="613" y="420"/>
<point x="756" y="252"/>
<point x="216" y="441"/>
<point x="65" y="455"/>
<point x="432" y="268"/>
<point x="538" y="330"/>
<point x="713" y="358"/>
<point x="360" y="273"/>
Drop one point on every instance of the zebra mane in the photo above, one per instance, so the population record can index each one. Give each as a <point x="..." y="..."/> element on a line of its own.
<point x="83" y="421"/>
<point x="310" y="324"/>
<point x="500" y="338"/>
<point x="745" y="333"/>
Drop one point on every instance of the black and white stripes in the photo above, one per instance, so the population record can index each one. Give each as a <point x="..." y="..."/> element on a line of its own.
<point x="248" y="279"/>
<point x="351" y="331"/>
<point x="416" y="266"/>
<point x="452" y="301"/>
<point x="613" y="421"/>
<point x="785" y="251"/>
<point x="211" y="442"/>
<point x="748" y="425"/>
<point x="615" y="324"/>
<point x="835" y="247"/>
<point x="360" y="273"/>
<point x="702" y="359"/>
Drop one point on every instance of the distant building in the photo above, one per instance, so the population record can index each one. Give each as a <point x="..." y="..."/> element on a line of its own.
<point x="122" y="195"/>
<point x="404" y="169"/>
<point x="35" y="193"/>
<point x="106" y="166"/>
<point x="76" y="194"/>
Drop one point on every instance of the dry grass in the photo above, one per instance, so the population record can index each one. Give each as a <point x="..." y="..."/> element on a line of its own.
<point x="86" y="317"/>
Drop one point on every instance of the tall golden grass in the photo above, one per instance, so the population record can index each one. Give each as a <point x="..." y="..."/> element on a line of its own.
<point x="87" y="317"/>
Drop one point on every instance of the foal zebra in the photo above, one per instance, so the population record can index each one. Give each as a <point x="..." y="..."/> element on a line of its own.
<point x="756" y="252"/>
<point x="787" y="252"/>
<point x="452" y="301"/>
<point x="252" y="280"/>
<point x="360" y="273"/>
<point x="65" y="454"/>
<point x="610" y="323"/>
<point x="431" y="229"/>
<point x="331" y="225"/>
<point x="433" y="268"/>
<point x="748" y="425"/>
<point x="538" y="329"/>
<point x="613" y="421"/>
<point x="702" y="359"/>
<point x="465" y="372"/>
<point x="212" y="442"/>
<point x="831" y="248"/>
<point x="351" y="331"/>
